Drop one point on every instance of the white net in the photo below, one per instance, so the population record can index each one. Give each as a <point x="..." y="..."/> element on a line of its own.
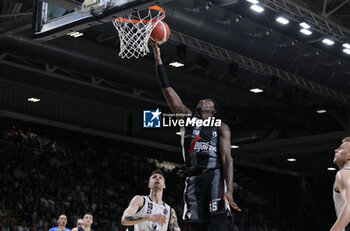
<point x="135" y="29"/>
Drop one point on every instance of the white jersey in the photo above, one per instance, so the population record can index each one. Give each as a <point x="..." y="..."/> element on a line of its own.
<point x="149" y="207"/>
<point x="338" y="199"/>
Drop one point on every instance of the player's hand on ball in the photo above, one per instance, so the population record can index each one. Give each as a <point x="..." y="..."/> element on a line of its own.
<point x="161" y="219"/>
<point x="228" y="196"/>
<point x="156" y="49"/>
<point x="152" y="43"/>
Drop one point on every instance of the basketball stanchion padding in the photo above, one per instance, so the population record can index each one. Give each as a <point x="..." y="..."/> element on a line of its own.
<point x="134" y="31"/>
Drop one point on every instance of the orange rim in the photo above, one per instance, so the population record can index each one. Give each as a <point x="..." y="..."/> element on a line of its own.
<point x="121" y="19"/>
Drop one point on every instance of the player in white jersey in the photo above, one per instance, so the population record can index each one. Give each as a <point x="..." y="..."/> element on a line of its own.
<point x="148" y="213"/>
<point x="341" y="190"/>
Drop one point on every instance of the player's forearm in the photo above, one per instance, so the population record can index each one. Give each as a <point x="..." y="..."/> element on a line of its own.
<point x="172" y="228"/>
<point x="158" y="60"/>
<point x="174" y="225"/>
<point x="173" y="100"/>
<point x="162" y="76"/>
<point x="169" y="93"/>
<point x="228" y="172"/>
<point x="133" y="219"/>
<point x="343" y="219"/>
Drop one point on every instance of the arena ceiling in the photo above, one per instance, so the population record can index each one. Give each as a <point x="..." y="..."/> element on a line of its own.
<point x="227" y="50"/>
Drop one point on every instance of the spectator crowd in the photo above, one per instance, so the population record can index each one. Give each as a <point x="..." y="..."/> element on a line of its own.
<point x="47" y="173"/>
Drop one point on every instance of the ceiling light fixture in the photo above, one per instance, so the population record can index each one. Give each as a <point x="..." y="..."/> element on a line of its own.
<point x="306" y="31"/>
<point x="78" y="35"/>
<point x="347" y="51"/>
<point x="346" y="45"/>
<point x="176" y="64"/>
<point x="268" y="31"/>
<point x="305" y="25"/>
<point x="257" y="8"/>
<point x="321" y="111"/>
<point x="75" y="34"/>
<point x="328" y="42"/>
<point x="256" y="90"/>
<point x="331" y="169"/>
<point x="291" y="159"/>
<point x="282" y="20"/>
<point x="234" y="146"/>
<point x="253" y="1"/>
<point x="33" y="100"/>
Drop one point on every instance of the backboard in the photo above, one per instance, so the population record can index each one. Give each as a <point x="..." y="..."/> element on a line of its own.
<point x="56" y="18"/>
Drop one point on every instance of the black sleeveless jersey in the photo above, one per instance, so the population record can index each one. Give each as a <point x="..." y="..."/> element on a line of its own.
<point x="200" y="148"/>
<point x="81" y="229"/>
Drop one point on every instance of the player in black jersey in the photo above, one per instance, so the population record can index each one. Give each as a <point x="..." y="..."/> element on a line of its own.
<point x="207" y="155"/>
<point x="88" y="219"/>
<point x="80" y="223"/>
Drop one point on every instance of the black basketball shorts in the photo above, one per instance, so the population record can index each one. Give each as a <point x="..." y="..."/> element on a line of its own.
<point x="204" y="196"/>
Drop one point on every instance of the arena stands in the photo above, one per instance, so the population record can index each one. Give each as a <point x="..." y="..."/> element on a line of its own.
<point x="48" y="171"/>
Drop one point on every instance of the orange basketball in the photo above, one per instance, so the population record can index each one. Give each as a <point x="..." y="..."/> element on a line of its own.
<point x="160" y="33"/>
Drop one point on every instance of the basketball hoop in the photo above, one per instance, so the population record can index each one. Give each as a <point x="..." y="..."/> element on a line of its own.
<point x="135" y="29"/>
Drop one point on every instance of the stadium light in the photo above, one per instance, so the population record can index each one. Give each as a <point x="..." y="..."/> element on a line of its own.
<point x="291" y="159"/>
<point x="282" y="20"/>
<point x="256" y="90"/>
<point x="346" y="45"/>
<point x="257" y="8"/>
<point x="33" y="100"/>
<point x="78" y="35"/>
<point x="75" y="34"/>
<point x="305" y="25"/>
<point x="321" y="111"/>
<point x="331" y="169"/>
<point x="306" y="31"/>
<point x="347" y="51"/>
<point x="234" y="146"/>
<point x="328" y="42"/>
<point x="253" y="1"/>
<point x="176" y="64"/>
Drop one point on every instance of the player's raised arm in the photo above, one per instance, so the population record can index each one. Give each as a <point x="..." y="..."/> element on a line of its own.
<point x="130" y="218"/>
<point x="170" y="95"/>
<point x="227" y="163"/>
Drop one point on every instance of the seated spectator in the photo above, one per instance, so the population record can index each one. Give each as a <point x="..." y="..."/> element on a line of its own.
<point x="62" y="222"/>
<point x="23" y="226"/>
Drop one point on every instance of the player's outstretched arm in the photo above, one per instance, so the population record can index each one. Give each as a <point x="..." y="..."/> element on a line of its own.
<point x="130" y="218"/>
<point x="343" y="179"/>
<point x="227" y="163"/>
<point x="172" y="98"/>
<point x="173" y="224"/>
